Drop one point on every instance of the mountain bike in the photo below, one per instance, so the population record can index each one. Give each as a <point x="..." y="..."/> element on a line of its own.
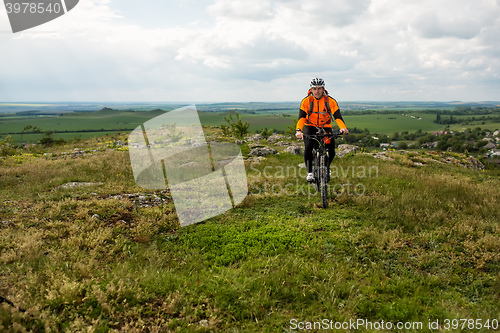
<point x="320" y="163"/>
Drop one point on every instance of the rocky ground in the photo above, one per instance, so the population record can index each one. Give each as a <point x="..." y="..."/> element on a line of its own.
<point x="277" y="144"/>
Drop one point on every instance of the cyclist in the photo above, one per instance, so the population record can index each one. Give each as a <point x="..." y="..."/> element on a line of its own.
<point x="317" y="110"/>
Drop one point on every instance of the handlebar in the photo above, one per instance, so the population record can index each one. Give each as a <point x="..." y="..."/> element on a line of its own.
<point x="319" y="136"/>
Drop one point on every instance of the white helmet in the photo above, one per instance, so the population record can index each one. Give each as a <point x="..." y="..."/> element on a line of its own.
<point x="317" y="82"/>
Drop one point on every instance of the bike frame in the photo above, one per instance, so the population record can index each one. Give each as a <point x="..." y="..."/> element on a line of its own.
<point x="320" y="164"/>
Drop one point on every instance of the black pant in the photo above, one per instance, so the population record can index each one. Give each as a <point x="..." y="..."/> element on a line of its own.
<point x="310" y="144"/>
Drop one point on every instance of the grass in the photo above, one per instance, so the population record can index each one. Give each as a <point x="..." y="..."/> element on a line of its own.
<point x="419" y="244"/>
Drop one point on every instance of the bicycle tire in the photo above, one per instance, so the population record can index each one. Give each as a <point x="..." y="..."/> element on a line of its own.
<point x="323" y="180"/>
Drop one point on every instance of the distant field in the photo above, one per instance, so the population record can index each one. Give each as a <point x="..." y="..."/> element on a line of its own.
<point x="101" y="122"/>
<point x="390" y="123"/>
<point x="21" y="105"/>
<point x="91" y="124"/>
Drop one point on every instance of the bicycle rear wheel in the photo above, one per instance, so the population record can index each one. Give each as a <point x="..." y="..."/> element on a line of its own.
<point x="323" y="180"/>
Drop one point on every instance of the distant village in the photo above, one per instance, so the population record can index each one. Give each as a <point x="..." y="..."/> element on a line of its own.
<point x="489" y="148"/>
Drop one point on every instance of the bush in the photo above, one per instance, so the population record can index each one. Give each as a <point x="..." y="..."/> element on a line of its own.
<point x="266" y="133"/>
<point x="238" y="128"/>
<point x="291" y="130"/>
<point x="7" y="147"/>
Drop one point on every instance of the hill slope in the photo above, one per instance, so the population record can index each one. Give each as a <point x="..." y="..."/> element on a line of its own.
<point x="400" y="244"/>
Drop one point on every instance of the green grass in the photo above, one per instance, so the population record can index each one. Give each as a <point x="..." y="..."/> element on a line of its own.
<point x="111" y="121"/>
<point x="390" y="123"/>
<point x="419" y="244"/>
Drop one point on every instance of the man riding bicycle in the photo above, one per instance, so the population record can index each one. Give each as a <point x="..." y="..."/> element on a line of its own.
<point x="317" y="111"/>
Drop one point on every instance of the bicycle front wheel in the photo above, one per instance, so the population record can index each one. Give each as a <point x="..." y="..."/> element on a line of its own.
<point x="323" y="180"/>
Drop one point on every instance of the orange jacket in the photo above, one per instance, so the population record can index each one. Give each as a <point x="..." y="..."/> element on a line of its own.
<point x="319" y="116"/>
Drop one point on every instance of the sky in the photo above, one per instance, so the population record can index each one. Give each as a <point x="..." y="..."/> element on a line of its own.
<point x="256" y="51"/>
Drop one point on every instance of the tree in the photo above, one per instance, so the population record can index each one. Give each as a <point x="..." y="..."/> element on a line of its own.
<point x="47" y="139"/>
<point x="238" y="128"/>
<point x="7" y="147"/>
<point x="438" y="119"/>
<point x="266" y="133"/>
<point x="290" y="130"/>
<point x="174" y="135"/>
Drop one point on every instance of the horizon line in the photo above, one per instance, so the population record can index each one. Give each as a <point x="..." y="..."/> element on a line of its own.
<point x="219" y="102"/>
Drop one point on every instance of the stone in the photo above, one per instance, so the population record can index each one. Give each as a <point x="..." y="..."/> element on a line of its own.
<point x="382" y="156"/>
<point x="263" y="151"/>
<point x="295" y="150"/>
<point x="255" y="137"/>
<point x="76" y="184"/>
<point x="256" y="159"/>
<point x="346" y="149"/>
<point x="275" y="137"/>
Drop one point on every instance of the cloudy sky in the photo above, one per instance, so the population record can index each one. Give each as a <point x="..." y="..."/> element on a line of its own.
<point x="260" y="50"/>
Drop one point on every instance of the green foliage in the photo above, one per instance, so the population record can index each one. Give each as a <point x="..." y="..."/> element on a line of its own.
<point x="227" y="243"/>
<point x="291" y="129"/>
<point x="226" y="130"/>
<point x="7" y="147"/>
<point x="47" y="139"/>
<point x="174" y="135"/>
<point x="266" y="133"/>
<point x="403" y="145"/>
<point x="238" y="128"/>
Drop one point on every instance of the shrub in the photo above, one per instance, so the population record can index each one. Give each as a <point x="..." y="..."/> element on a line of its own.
<point x="238" y="128"/>
<point x="6" y="147"/>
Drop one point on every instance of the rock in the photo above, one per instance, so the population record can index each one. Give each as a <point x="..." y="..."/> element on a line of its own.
<point x="76" y="184"/>
<point x="346" y="149"/>
<point x="255" y="137"/>
<point x="474" y="163"/>
<point x="256" y="159"/>
<point x="275" y="137"/>
<point x="240" y="142"/>
<point x="188" y="164"/>
<point x="295" y="150"/>
<point x="382" y="156"/>
<point x="419" y="159"/>
<point x="6" y="223"/>
<point x="262" y="151"/>
<point x="283" y="143"/>
<point x="142" y="200"/>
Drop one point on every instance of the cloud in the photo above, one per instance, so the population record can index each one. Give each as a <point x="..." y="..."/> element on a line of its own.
<point x="431" y="26"/>
<point x="459" y="19"/>
<point x="365" y="49"/>
<point x="336" y="13"/>
<point x="257" y="10"/>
